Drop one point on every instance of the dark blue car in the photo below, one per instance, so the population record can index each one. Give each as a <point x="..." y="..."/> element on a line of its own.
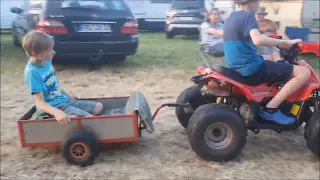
<point x="93" y="29"/>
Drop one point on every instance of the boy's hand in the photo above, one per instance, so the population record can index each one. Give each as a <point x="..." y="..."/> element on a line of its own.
<point x="61" y="117"/>
<point x="287" y="44"/>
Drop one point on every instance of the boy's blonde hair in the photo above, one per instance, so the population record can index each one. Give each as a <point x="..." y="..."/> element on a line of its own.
<point x="35" y="42"/>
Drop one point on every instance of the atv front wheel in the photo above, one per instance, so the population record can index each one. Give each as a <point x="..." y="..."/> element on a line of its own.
<point x="193" y="96"/>
<point x="216" y="132"/>
<point x="312" y="131"/>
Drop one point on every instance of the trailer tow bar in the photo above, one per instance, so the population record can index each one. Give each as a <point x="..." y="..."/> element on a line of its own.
<point x="169" y="105"/>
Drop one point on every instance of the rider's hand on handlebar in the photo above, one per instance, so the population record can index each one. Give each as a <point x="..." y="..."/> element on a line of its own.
<point x="287" y="44"/>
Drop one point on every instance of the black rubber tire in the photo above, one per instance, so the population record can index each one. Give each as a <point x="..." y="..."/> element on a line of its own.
<point x="207" y="115"/>
<point x="312" y="133"/>
<point x="191" y="95"/>
<point x="115" y="59"/>
<point x="83" y="137"/>
<point x="169" y="35"/>
<point x="16" y="41"/>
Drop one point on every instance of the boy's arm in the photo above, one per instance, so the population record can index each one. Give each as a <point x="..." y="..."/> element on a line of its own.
<point x="42" y="105"/>
<point x="260" y="40"/>
<point x="60" y="116"/>
<point x="35" y="84"/>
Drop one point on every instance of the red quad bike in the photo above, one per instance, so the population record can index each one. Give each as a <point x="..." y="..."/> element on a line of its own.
<point x="223" y="105"/>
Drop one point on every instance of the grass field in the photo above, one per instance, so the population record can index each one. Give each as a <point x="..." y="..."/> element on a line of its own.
<point x="160" y="70"/>
<point x="154" y="51"/>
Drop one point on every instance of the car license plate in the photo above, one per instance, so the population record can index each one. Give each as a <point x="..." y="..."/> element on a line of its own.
<point x="186" y="18"/>
<point x="94" y="28"/>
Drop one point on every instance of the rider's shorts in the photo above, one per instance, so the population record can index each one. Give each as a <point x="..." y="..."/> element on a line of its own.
<point x="274" y="72"/>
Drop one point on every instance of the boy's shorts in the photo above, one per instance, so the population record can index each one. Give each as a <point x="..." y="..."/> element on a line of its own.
<point x="77" y="107"/>
<point x="274" y="72"/>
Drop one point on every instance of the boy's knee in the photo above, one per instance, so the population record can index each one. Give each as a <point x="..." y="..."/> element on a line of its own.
<point x="302" y="72"/>
<point x="97" y="109"/>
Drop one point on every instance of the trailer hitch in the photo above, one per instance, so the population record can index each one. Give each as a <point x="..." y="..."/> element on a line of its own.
<point x="186" y="105"/>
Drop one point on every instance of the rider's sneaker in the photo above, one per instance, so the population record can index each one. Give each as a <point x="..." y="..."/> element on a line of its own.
<point x="276" y="116"/>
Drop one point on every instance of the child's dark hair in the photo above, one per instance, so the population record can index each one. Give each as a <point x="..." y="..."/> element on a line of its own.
<point x="207" y="19"/>
<point x="35" y="42"/>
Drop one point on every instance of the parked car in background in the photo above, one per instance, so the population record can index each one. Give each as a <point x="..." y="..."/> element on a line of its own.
<point x="93" y="29"/>
<point x="185" y="17"/>
<point x="6" y="16"/>
<point x="151" y="14"/>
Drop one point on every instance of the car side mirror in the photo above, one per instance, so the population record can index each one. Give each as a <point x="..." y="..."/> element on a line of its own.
<point x="16" y="10"/>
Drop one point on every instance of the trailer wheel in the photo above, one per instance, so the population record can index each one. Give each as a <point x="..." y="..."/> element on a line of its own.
<point x="216" y="132"/>
<point x="312" y="131"/>
<point x="80" y="148"/>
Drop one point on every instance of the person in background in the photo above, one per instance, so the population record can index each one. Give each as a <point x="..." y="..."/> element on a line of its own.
<point x="268" y="27"/>
<point x="212" y="32"/>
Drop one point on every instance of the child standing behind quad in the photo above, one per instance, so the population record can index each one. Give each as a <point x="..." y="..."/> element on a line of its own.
<point x="241" y="35"/>
<point x="44" y="86"/>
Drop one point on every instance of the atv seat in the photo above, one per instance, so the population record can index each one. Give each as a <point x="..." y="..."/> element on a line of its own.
<point x="234" y="75"/>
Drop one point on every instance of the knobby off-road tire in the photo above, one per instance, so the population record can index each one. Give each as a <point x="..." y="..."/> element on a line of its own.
<point x="80" y="148"/>
<point x="169" y="35"/>
<point x="191" y="95"/>
<point x="216" y="132"/>
<point x="312" y="133"/>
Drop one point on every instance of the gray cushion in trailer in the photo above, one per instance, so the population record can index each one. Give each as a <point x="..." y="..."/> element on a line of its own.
<point x="138" y="103"/>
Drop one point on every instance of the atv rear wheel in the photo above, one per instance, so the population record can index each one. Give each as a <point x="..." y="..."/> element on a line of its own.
<point x="193" y="96"/>
<point x="216" y="132"/>
<point x="312" y="131"/>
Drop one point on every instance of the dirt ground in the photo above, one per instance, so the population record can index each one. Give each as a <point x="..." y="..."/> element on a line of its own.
<point x="165" y="154"/>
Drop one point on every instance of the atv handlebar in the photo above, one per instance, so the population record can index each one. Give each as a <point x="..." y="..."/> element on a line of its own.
<point x="290" y="55"/>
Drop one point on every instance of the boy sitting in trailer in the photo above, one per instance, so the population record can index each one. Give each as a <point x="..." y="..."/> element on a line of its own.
<point x="41" y="79"/>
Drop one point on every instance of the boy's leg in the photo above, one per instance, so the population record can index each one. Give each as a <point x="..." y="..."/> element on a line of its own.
<point x="92" y="107"/>
<point x="276" y="71"/>
<point x="72" y="111"/>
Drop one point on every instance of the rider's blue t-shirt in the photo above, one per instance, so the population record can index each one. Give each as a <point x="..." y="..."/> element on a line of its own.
<point x="43" y="79"/>
<point x="240" y="53"/>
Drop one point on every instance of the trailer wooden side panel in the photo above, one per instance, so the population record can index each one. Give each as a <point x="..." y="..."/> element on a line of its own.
<point x="45" y="131"/>
<point x="113" y="128"/>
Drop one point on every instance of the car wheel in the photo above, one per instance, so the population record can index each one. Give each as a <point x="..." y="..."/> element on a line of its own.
<point x="311" y="134"/>
<point x="216" y="132"/>
<point x="115" y="59"/>
<point x="170" y="35"/>
<point x="16" y="41"/>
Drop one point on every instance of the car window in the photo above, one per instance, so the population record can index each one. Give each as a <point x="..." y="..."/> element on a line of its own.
<point x="94" y="4"/>
<point x="187" y="4"/>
